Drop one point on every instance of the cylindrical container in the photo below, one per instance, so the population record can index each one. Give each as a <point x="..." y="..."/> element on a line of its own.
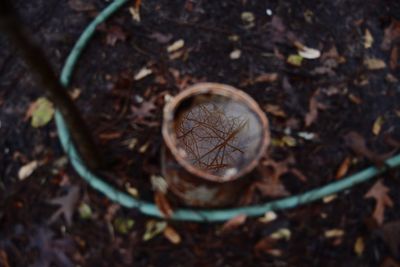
<point x="214" y="136"/>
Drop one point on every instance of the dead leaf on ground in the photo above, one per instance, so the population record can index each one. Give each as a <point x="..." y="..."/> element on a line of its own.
<point x="163" y="204"/>
<point x="114" y="34"/>
<point x="110" y="135"/>
<point x="144" y="111"/>
<point x="380" y="193"/>
<point x="390" y="233"/>
<point x="374" y="63"/>
<point x="81" y="5"/>
<point x="343" y="168"/>
<point x="394" y="57"/>
<point x="392" y="33"/>
<point x="359" y="246"/>
<point x="4" y="259"/>
<point x="142" y="73"/>
<point x="275" y="110"/>
<point x="368" y="39"/>
<point x="176" y="46"/>
<point x="153" y="228"/>
<point x="161" y="37"/>
<point x="26" y="170"/>
<point x="267" y="78"/>
<point x="389" y="262"/>
<point x="266" y="245"/>
<point x="233" y="223"/>
<point x="172" y="235"/>
<point x="67" y="205"/>
<point x="51" y="251"/>
<point x="41" y="112"/>
<point x="334" y="233"/>
<point x="313" y="106"/>
<point x="357" y="143"/>
<point x="377" y="126"/>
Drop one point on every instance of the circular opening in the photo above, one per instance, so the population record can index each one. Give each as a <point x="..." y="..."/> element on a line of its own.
<point x="218" y="134"/>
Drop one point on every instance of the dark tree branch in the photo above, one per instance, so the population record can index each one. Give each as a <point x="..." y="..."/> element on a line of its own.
<point x="39" y="65"/>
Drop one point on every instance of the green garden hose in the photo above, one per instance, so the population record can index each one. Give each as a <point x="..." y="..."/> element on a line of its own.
<point x="151" y="209"/>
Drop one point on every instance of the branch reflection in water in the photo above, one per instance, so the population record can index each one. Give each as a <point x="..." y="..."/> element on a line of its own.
<point x="218" y="135"/>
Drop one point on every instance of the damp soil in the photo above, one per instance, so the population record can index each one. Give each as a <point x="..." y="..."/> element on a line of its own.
<point x="125" y="114"/>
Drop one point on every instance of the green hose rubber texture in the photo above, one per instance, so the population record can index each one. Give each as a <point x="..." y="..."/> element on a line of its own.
<point x="151" y="209"/>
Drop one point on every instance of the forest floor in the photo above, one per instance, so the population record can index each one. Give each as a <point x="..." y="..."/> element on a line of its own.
<point x="326" y="74"/>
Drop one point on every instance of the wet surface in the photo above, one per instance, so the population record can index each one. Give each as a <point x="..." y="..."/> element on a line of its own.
<point x="218" y="135"/>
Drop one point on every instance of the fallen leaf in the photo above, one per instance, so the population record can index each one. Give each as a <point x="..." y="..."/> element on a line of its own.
<point x="114" y="34"/>
<point x="374" y="63"/>
<point x="282" y="233"/>
<point x="358" y="144"/>
<point x="394" y="57"/>
<point x="172" y="235"/>
<point x="27" y="170"/>
<point x="392" y="33"/>
<point x="390" y="233"/>
<point x="153" y="228"/>
<point x="85" y="212"/>
<point x="144" y="147"/>
<point x="110" y="135"/>
<point x="359" y="246"/>
<point x="144" y="111"/>
<point x="233" y="223"/>
<point x="163" y="204"/>
<point x="248" y="19"/>
<point x="266" y="245"/>
<point x="135" y="13"/>
<point x="123" y="225"/>
<point x="380" y="193"/>
<point x="81" y="5"/>
<point x="75" y="93"/>
<point x="266" y="78"/>
<point x="329" y="198"/>
<point x="41" y="111"/>
<point x="67" y="205"/>
<point x="268" y="217"/>
<point x="295" y="60"/>
<point x="309" y="53"/>
<point x="4" y="259"/>
<point x="176" y="46"/>
<point x="52" y="252"/>
<point x="235" y="54"/>
<point x="143" y="72"/>
<point x="161" y="37"/>
<point x="333" y="233"/>
<point x="159" y="183"/>
<point x="377" y="126"/>
<point x="368" y="39"/>
<point x="275" y="110"/>
<point x="343" y="168"/>
<point x="389" y="262"/>
<point x="132" y="190"/>
<point x="313" y="108"/>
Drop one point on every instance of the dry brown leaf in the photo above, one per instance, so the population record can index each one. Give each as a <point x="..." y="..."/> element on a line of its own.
<point x="314" y="106"/>
<point x="163" y="204"/>
<point x="380" y="193"/>
<point x="81" y="5"/>
<point x="114" y="34"/>
<point x="394" y="57"/>
<point x="334" y="233"/>
<point x="392" y="33"/>
<point x="67" y="205"/>
<point x="390" y="233"/>
<point x="172" y="235"/>
<point x="343" y="168"/>
<point x="374" y="63"/>
<point x="358" y="144"/>
<point x="266" y="245"/>
<point x="266" y="78"/>
<point x="110" y="135"/>
<point x="275" y="110"/>
<point x="233" y="223"/>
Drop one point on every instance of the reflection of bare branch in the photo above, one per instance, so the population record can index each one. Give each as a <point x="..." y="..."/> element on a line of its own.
<point x="212" y="138"/>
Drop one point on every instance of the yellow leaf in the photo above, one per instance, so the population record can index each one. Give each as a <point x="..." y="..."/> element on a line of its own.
<point x="42" y="113"/>
<point x="295" y="60"/>
<point x="153" y="228"/>
<point x="374" y="63"/>
<point x="283" y="233"/>
<point x="376" y="128"/>
<point x="359" y="246"/>
<point x="334" y="233"/>
<point x="368" y="39"/>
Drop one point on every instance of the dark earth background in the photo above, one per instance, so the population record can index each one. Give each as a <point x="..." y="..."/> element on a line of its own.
<point x="119" y="108"/>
